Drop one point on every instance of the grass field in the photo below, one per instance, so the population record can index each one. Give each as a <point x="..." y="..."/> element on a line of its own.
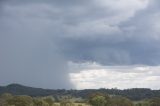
<point x="73" y="104"/>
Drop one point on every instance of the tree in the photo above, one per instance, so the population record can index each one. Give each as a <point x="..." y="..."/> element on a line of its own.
<point x="98" y="99"/>
<point x="120" y="101"/>
<point x="4" y="98"/>
<point x="154" y="102"/>
<point x="20" y="101"/>
<point x="39" y="102"/>
<point x="49" y="100"/>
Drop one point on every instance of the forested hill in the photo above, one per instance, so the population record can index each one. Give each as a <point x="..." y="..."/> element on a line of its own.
<point x="133" y="94"/>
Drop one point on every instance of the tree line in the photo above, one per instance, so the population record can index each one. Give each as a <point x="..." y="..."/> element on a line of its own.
<point x="133" y="94"/>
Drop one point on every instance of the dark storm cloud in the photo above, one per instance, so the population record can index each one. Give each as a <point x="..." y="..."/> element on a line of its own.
<point x="28" y="56"/>
<point x="137" y="42"/>
<point x="38" y="38"/>
<point x="143" y="32"/>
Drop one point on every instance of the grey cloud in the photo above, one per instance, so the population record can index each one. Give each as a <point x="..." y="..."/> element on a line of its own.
<point x="136" y="43"/>
<point x="38" y="38"/>
<point x="28" y="56"/>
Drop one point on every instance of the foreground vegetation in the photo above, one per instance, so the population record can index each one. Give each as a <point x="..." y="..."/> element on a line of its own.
<point x="95" y="99"/>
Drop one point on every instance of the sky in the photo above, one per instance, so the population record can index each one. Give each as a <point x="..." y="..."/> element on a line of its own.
<point x="80" y="44"/>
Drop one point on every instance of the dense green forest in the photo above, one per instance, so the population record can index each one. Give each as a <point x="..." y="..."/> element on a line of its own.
<point x="135" y="94"/>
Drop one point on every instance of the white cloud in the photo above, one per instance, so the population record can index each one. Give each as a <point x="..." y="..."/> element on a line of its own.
<point x="116" y="76"/>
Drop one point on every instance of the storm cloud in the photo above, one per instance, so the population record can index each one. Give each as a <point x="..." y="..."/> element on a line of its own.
<point x="39" y="39"/>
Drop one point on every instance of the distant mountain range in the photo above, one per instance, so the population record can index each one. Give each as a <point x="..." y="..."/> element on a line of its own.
<point x="133" y="94"/>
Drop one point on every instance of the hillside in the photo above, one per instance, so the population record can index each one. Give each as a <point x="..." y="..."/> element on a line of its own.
<point x="133" y="94"/>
